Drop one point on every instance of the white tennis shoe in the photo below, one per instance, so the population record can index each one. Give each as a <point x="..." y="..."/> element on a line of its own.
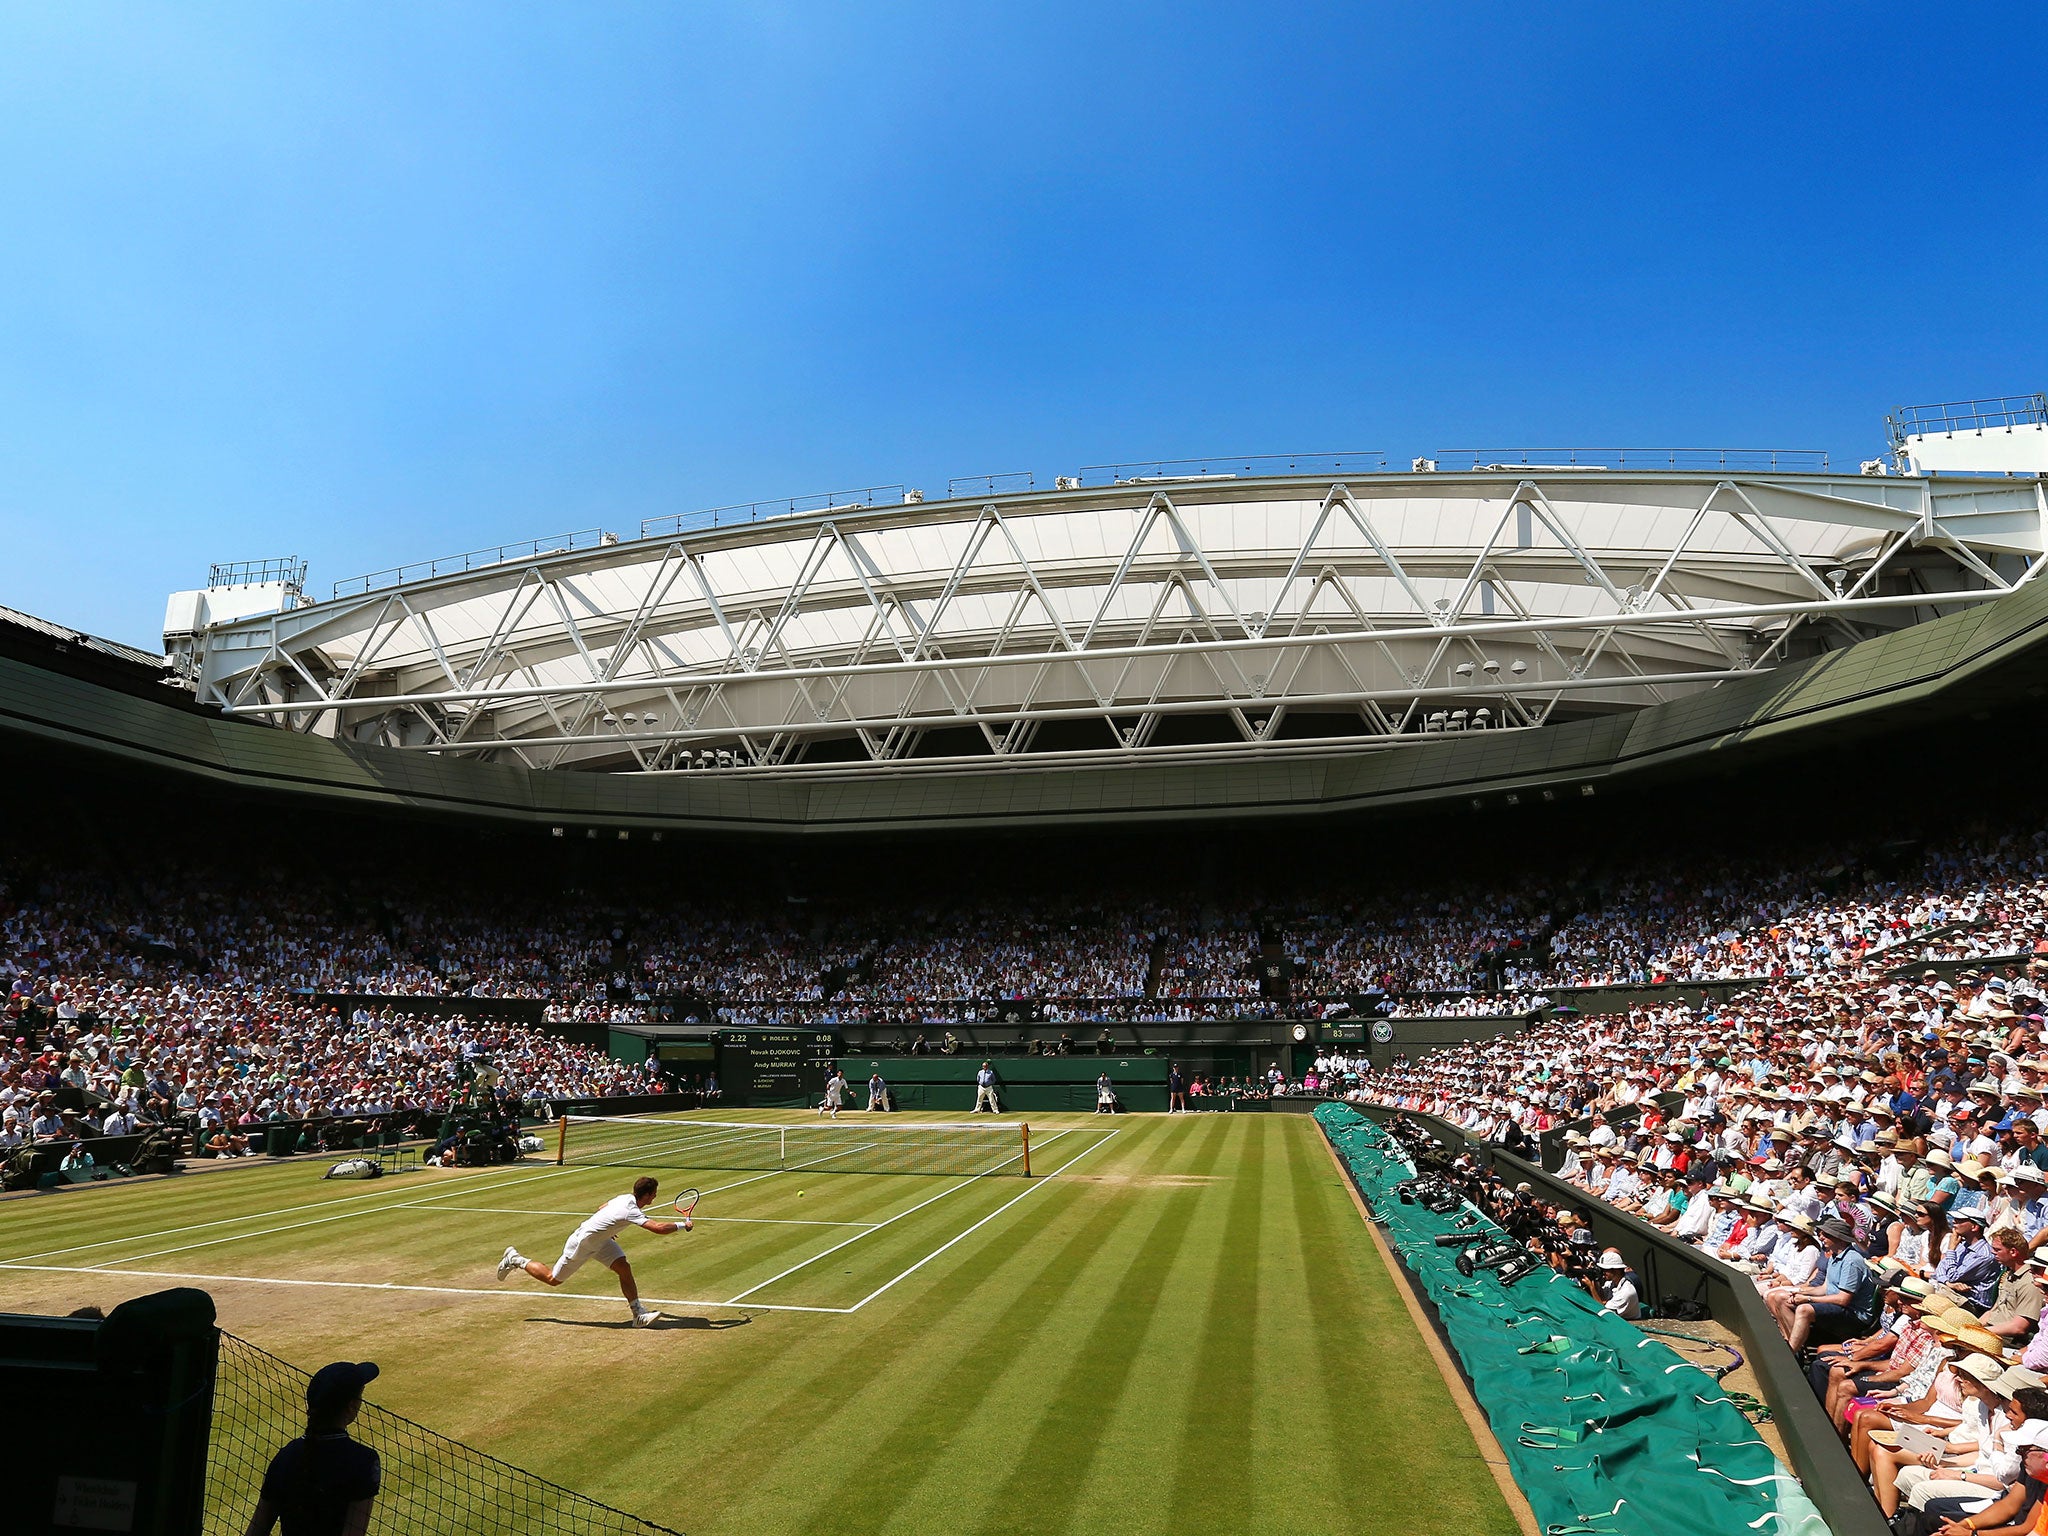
<point x="645" y="1317"/>
<point x="510" y="1262"/>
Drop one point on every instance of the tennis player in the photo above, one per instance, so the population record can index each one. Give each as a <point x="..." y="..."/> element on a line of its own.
<point x="835" y="1093"/>
<point x="594" y="1240"/>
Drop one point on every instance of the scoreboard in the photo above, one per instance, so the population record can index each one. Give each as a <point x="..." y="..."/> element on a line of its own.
<point x="782" y="1068"/>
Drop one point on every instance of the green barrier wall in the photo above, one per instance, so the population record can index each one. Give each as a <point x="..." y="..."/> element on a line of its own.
<point x="1030" y="1084"/>
<point x="1607" y="1429"/>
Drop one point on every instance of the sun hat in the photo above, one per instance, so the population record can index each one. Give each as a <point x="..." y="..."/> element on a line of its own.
<point x="1979" y="1367"/>
<point x="1984" y="1341"/>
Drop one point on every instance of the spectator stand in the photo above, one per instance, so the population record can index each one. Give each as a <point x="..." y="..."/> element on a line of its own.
<point x="528" y="1012"/>
<point x="39" y="1165"/>
<point x="1619" y="997"/>
<point x="1550" y="1143"/>
<point x="1414" y="1035"/>
<point x="1998" y="965"/>
<point x="1671" y="1268"/>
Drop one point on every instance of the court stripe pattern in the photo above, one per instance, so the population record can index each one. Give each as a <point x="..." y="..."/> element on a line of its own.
<point x="1186" y="1331"/>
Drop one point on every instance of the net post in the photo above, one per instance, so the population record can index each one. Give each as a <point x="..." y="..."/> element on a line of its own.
<point x="782" y="1148"/>
<point x="562" y="1139"/>
<point x="1027" y="1149"/>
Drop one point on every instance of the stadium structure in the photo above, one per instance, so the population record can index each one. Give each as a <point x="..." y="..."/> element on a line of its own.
<point x="1206" y="637"/>
<point x="1188" y="654"/>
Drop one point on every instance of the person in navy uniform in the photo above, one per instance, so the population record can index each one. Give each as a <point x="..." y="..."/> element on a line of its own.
<point x="323" y="1483"/>
<point x="1176" y="1091"/>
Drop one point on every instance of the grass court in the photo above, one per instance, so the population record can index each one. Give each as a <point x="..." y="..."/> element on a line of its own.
<point x="1177" y="1325"/>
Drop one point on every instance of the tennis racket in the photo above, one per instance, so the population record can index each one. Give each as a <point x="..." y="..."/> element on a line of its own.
<point x="686" y="1202"/>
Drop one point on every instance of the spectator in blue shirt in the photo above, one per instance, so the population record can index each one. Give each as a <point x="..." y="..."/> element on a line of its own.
<point x="1840" y="1303"/>
<point x="1969" y="1268"/>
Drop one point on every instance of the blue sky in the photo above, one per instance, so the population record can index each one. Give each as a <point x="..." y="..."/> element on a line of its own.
<point x="369" y="284"/>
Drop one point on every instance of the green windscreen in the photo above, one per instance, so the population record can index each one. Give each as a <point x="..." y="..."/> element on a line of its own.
<point x="1607" y="1429"/>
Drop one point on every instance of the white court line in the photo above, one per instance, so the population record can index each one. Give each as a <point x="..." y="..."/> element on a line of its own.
<point x="891" y="1222"/>
<point x="529" y="1296"/>
<point x="431" y="1290"/>
<point x="853" y="1239"/>
<point x="770" y="1221"/>
<point x="283" y="1210"/>
<point x="991" y="1216"/>
<point x="318" y="1221"/>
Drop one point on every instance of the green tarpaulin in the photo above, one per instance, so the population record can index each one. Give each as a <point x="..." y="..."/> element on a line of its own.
<point x="1606" y="1428"/>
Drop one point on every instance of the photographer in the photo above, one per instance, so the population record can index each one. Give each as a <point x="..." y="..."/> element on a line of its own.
<point x="1617" y="1289"/>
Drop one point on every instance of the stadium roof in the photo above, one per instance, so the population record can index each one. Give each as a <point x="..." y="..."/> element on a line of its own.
<point x="112" y="650"/>
<point x="1199" y="620"/>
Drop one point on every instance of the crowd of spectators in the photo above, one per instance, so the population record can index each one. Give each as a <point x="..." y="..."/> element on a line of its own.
<point x="1861" y="1132"/>
<point x="132" y="1006"/>
<point x="1455" y="948"/>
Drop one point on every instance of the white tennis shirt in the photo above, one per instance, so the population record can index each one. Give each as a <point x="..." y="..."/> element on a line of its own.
<point x="612" y="1216"/>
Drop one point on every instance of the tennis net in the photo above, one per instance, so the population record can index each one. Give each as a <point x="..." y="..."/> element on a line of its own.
<point x="620" y="1141"/>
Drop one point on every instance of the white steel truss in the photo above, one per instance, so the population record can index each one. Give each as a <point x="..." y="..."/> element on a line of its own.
<point x="1253" y="616"/>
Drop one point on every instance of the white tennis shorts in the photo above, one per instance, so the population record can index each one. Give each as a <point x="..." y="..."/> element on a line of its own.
<point x="605" y="1251"/>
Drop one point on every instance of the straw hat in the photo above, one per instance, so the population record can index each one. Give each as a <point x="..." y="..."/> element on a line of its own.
<point x="1984" y="1341"/>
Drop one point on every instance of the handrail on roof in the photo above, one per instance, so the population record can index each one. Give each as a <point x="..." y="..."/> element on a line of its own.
<point x="1090" y="476"/>
<point x="755" y="511"/>
<point x="1770" y="460"/>
<point x="473" y="560"/>
<point x="289" y="570"/>
<point x="1967" y="416"/>
<point x="1230" y="466"/>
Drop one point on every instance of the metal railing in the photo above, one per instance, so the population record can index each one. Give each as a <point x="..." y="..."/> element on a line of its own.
<point x="1799" y="461"/>
<point x="1230" y="467"/>
<point x="1966" y="416"/>
<point x="990" y="485"/>
<point x="290" y="570"/>
<point x="473" y="560"/>
<point x="1130" y="472"/>
<point x="755" y="511"/>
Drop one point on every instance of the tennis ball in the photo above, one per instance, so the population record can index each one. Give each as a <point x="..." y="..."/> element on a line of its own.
<point x="799" y="1194"/>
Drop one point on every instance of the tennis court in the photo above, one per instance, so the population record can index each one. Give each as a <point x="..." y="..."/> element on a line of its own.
<point x="1174" y="1324"/>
